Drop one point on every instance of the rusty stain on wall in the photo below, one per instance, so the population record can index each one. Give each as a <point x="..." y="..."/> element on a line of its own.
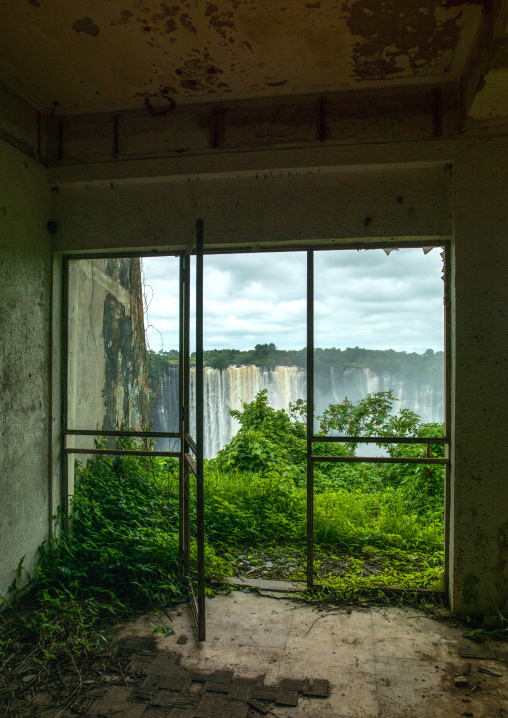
<point x="255" y="47"/>
<point x="86" y="25"/>
<point x="124" y="18"/>
<point x="401" y="39"/>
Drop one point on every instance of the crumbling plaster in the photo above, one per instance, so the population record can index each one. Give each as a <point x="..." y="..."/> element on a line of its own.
<point x="121" y="53"/>
<point x="26" y="489"/>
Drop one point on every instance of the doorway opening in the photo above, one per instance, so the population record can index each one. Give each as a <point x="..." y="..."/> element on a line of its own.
<point x="279" y="492"/>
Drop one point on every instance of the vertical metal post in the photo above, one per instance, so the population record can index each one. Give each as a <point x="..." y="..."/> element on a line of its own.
<point x="64" y="479"/>
<point x="186" y="407"/>
<point x="181" y="417"/>
<point x="447" y="422"/>
<point x="310" y="418"/>
<point x="200" y="510"/>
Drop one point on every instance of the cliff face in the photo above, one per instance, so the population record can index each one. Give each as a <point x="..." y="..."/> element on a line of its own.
<point x="108" y="381"/>
<point x="226" y="388"/>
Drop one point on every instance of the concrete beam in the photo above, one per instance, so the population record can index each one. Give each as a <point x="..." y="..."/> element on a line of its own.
<point x="256" y="209"/>
<point x="417" y="112"/>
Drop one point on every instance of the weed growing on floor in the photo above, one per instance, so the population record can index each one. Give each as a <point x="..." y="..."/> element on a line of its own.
<point x="119" y="558"/>
<point x="382" y="523"/>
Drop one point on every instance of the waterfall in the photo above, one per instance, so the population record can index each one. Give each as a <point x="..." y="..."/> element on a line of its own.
<point x="225" y="389"/>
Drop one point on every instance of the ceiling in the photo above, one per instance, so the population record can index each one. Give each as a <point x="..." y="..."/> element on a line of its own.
<point x="100" y="55"/>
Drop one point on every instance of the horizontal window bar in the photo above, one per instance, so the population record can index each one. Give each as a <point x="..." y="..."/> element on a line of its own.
<point x="379" y="460"/>
<point x="107" y="432"/>
<point x="381" y="439"/>
<point x="123" y="452"/>
<point x="304" y="245"/>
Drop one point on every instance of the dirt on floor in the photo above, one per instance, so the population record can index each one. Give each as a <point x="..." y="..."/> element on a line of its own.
<point x="275" y="658"/>
<point x="289" y="563"/>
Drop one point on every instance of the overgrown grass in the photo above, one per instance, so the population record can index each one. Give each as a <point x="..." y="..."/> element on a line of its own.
<point x="121" y="554"/>
<point x="244" y="509"/>
<point x="119" y="558"/>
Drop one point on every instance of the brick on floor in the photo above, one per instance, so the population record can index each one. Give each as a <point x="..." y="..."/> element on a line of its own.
<point x="114" y="701"/>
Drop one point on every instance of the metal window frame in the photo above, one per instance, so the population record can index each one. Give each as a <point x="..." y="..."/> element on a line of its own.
<point x="187" y="464"/>
<point x="312" y="438"/>
<point x="190" y="465"/>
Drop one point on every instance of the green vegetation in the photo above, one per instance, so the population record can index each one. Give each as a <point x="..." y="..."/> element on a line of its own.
<point x="256" y="492"/>
<point x="119" y="558"/>
<point x="375" y="525"/>
<point x="426" y="367"/>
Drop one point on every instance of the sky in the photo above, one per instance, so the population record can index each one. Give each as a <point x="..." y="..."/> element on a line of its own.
<point x="362" y="298"/>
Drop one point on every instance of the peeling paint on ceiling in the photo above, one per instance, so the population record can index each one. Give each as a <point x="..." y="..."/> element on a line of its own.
<point x="94" y="55"/>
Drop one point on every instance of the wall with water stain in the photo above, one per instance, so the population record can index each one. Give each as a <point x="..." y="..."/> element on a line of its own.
<point x="25" y="368"/>
<point x="108" y="385"/>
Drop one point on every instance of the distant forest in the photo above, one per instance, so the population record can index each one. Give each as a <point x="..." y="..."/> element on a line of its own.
<point x="428" y="366"/>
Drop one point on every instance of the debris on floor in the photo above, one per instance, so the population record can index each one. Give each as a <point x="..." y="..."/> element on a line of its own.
<point x="156" y="683"/>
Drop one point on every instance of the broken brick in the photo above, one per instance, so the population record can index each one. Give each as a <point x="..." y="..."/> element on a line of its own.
<point x="198" y="677"/>
<point x="221" y="676"/>
<point x="287" y="698"/>
<point x="294" y="684"/>
<point x="257" y="705"/>
<point x="165" y="699"/>
<point x="235" y="709"/>
<point x="114" y="701"/>
<point x="155" y="713"/>
<point x="241" y="692"/>
<point x="210" y="706"/>
<point x="137" y="644"/>
<point x="265" y="693"/>
<point x="165" y="663"/>
<point x="139" y="663"/>
<point x="135" y="711"/>
<point x="213" y="687"/>
<point x="320" y="689"/>
<point x="150" y="683"/>
<point x="172" y="683"/>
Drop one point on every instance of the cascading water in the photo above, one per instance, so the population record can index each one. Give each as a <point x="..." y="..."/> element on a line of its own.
<point x="226" y="388"/>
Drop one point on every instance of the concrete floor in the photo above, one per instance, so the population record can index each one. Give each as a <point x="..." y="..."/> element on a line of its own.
<point x="380" y="662"/>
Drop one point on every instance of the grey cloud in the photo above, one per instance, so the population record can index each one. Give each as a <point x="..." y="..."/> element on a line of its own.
<point x="362" y="299"/>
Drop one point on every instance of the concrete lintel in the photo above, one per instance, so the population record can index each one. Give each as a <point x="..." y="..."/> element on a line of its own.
<point x="349" y="117"/>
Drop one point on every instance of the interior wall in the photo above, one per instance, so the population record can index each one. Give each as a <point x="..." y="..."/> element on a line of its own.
<point x="25" y="345"/>
<point x="355" y="193"/>
<point x="479" y="518"/>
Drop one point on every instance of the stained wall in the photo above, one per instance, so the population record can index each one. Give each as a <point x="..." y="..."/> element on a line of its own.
<point x="25" y="368"/>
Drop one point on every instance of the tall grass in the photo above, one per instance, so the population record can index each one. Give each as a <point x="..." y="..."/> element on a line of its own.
<point x="246" y="508"/>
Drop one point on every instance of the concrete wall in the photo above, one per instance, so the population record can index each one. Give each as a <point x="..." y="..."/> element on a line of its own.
<point x="479" y="579"/>
<point x="108" y="386"/>
<point x="25" y="371"/>
<point x="108" y="376"/>
<point x="108" y="380"/>
<point x="352" y="194"/>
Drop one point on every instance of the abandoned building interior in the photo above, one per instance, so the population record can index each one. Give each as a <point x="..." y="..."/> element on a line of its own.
<point x="128" y="126"/>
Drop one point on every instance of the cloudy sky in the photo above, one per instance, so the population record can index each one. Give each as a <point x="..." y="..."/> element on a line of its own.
<point x="362" y="298"/>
